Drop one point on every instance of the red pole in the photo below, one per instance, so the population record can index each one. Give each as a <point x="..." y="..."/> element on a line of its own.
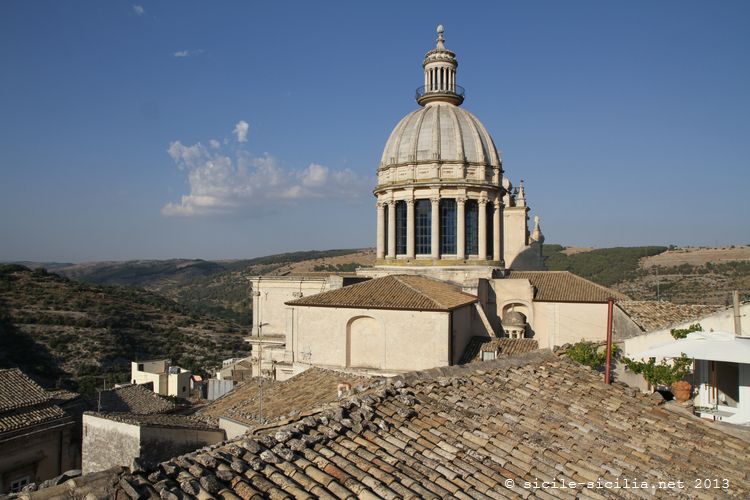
<point x="608" y="369"/>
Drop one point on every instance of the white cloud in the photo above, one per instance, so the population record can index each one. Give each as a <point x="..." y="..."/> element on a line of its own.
<point x="139" y="10"/>
<point x="240" y="130"/>
<point x="188" y="53"/>
<point x="224" y="183"/>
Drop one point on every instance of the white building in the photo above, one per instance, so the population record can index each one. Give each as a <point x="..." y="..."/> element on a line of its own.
<point x="167" y="380"/>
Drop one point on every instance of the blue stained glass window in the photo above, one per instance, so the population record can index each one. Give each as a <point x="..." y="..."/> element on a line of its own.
<point x="423" y="226"/>
<point x="447" y="226"/>
<point x="472" y="227"/>
<point x="401" y="227"/>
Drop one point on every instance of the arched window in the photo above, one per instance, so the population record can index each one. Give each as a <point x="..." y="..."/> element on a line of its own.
<point x="400" y="227"/>
<point x="472" y="227"/>
<point x="423" y="226"/>
<point x="447" y="226"/>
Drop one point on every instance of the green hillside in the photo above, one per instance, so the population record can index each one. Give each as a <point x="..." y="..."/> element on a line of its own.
<point x="605" y="266"/>
<point x="72" y="334"/>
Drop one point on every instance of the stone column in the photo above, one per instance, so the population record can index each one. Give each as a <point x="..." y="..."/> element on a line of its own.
<point x="410" y="243"/>
<point x="391" y="229"/>
<point x="461" y="228"/>
<point x="380" y="243"/>
<point x="497" y="236"/>
<point x="482" y="223"/>
<point x="435" y="233"/>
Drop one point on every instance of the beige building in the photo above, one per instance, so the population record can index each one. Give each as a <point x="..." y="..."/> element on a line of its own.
<point x="167" y="380"/>
<point x="391" y="324"/>
<point x="448" y="216"/>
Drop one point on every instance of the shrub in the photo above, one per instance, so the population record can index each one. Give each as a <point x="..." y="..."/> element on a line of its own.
<point x="664" y="373"/>
<point x="588" y="354"/>
<point x="681" y="333"/>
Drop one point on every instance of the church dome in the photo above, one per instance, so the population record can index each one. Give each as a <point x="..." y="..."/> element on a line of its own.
<point x="513" y="318"/>
<point x="443" y="132"/>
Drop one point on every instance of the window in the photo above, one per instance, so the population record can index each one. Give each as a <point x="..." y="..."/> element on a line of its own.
<point x="472" y="227"/>
<point x="423" y="226"/>
<point x="488" y="355"/>
<point x="490" y="229"/>
<point x="401" y="227"/>
<point x="17" y="484"/>
<point x="447" y="226"/>
<point x="140" y="367"/>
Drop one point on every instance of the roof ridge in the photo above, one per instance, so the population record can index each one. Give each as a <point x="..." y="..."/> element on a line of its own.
<point x="498" y="364"/>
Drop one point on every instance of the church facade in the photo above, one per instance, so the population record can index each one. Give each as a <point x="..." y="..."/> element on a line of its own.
<point x="455" y="264"/>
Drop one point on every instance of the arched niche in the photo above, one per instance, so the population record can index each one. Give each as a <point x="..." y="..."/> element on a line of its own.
<point x="365" y="343"/>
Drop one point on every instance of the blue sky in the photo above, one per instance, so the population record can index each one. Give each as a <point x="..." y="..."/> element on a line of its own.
<point x="237" y="129"/>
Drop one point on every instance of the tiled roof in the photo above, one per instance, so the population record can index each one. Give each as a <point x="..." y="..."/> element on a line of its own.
<point x="504" y="347"/>
<point x="310" y="389"/>
<point x="408" y="292"/>
<point x="23" y="403"/>
<point x="17" y="390"/>
<point x="564" y="286"/>
<point x="169" y="421"/>
<point x="468" y="431"/>
<point x="131" y="399"/>
<point x="652" y="315"/>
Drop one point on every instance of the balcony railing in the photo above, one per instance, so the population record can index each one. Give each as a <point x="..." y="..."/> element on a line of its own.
<point x="423" y="91"/>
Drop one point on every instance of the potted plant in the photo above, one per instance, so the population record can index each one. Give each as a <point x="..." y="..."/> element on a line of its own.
<point x="665" y="373"/>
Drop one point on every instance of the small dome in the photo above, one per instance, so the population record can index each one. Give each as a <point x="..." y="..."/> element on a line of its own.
<point x="513" y="318"/>
<point x="440" y="132"/>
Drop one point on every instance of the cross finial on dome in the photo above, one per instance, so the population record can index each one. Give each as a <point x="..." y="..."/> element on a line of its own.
<point x="440" y="38"/>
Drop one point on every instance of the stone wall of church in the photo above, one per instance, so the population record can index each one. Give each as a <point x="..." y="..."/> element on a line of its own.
<point x="558" y="323"/>
<point x="269" y="308"/>
<point x="372" y="339"/>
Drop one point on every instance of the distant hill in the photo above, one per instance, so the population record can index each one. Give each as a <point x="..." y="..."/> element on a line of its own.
<point x="216" y="288"/>
<point x="681" y="275"/>
<point x="605" y="266"/>
<point x="72" y="334"/>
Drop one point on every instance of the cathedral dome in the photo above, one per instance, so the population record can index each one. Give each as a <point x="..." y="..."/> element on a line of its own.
<point x="441" y="132"/>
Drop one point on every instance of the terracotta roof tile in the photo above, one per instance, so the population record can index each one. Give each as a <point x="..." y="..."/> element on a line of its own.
<point x="310" y="389"/>
<point x="23" y="403"/>
<point x="652" y="315"/>
<point x="503" y="347"/>
<point x="130" y="399"/>
<point x="17" y="390"/>
<point x="407" y="292"/>
<point x="564" y="286"/>
<point x="157" y="420"/>
<point x="529" y="417"/>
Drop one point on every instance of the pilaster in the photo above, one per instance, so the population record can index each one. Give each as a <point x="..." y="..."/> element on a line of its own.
<point x="461" y="228"/>
<point x="435" y="232"/>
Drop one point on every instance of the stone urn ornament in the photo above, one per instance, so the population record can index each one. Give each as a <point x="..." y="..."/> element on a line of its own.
<point x="681" y="390"/>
